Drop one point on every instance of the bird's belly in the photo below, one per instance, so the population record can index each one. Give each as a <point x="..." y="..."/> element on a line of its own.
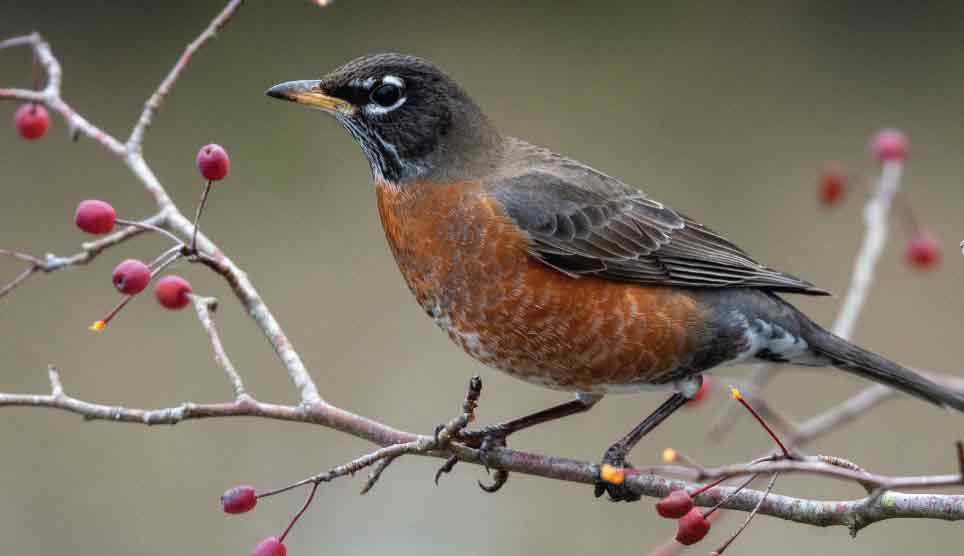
<point x="570" y="334"/>
<point x="468" y="268"/>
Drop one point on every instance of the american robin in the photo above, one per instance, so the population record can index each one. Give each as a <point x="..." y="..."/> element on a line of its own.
<point x="556" y="273"/>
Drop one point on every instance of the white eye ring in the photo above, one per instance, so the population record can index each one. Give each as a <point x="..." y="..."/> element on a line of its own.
<point x="375" y="110"/>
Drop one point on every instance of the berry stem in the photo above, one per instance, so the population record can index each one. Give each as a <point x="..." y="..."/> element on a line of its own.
<point x="736" y="491"/>
<point x="99" y="325"/>
<point x="736" y="395"/>
<point x="197" y="218"/>
<point x="151" y="227"/>
<point x="165" y="260"/>
<point x="707" y="487"/>
<point x="304" y="508"/>
<point x="749" y="518"/>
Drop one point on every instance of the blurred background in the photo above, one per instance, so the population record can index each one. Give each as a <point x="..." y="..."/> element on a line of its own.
<point x="726" y="113"/>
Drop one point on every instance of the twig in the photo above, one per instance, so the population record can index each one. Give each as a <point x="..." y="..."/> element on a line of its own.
<point x="722" y="548"/>
<point x="52" y="263"/>
<point x="204" y="307"/>
<point x="154" y="102"/>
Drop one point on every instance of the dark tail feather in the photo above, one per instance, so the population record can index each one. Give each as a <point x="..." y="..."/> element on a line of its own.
<point x="853" y="359"/>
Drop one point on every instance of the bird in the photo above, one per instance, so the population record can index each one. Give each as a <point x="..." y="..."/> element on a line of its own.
<point x="558" y="274"/>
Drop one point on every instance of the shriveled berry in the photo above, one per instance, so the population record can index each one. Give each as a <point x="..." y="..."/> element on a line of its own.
<point x="213" y="162"/>
<point x="95" y="217"/>
<point x="131" y="276"/>
<point x="271" y="546"/>
<point x="692" y="527"/>
<point x="832" y="187"/>
<point x="889" y="145"/>
<point x="923" y="250"/>
<point x="675" y="504"/>
<point x="32" y="121"/>
<point x="239" y="500"/>
<point x="172" y="292"/>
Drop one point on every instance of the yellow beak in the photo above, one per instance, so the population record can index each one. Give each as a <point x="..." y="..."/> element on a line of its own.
<point x="310" y="93"/>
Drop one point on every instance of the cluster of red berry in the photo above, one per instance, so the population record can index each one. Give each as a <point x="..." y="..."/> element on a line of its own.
<point x="692" y="524"/>
<point x="923" y="248"/>
<point x="132" y="276"/>
<point x="242" y="499"/>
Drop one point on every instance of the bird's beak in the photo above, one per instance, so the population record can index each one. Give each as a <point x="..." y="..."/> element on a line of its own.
<point x="309" y="92"/>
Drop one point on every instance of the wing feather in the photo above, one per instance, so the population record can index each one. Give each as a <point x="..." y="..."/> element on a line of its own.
<point x="582" y="222"/>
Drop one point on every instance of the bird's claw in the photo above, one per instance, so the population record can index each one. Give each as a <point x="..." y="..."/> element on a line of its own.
<point x="485" y="440"/>
<point x="445" y="468"/>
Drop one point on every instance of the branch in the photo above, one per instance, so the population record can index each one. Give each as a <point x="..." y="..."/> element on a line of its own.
<point x="854" y="514"/>
<point x="881" y="504"/>
<point x="90" y="250"/>
<point x="872" y="247"/>
<point x="169" y="216"/>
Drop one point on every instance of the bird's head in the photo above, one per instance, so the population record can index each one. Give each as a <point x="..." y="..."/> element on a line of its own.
<point x="412" y="121"/>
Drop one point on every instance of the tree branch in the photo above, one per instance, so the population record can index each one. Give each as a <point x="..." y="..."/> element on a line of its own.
<point x="881" y="504"/>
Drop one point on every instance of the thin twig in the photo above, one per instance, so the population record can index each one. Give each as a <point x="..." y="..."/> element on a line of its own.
<point x="154" y="102"/>
<point x="749" y="517"/>
<point x="204" y="307"/>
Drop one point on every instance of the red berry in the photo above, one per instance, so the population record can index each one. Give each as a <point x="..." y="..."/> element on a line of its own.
<point x="213" y="162"/>
<point x="833" y="186"/>
<point x="889" y="145"/>
<point x="172" y="292"/>
<point x="95" y="217"/>
<point x="692" y="527"/>
<point x="32" y="121"/>
<point x="675" y="505"/>
<point x="131" y="277"/>
<point x="923" y="250"/>
<point x="239" y="500"/>
<point x="271" y="546"/>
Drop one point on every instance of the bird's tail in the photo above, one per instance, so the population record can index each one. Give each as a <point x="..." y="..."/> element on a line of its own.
<point x="854" y="359"/>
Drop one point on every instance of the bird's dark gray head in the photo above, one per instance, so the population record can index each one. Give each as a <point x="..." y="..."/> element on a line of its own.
<point x="411" y="119"/>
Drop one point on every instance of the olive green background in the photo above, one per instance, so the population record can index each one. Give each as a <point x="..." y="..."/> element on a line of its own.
<point x="726" y="111"/>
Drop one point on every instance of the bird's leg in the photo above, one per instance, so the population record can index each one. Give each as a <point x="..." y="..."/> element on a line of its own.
<point x="502" y="430"/>
<point x="488" y="438"/>
<point x="616" y="454"/>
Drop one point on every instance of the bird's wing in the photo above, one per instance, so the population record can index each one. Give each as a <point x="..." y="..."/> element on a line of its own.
<point x="582" y="222"/>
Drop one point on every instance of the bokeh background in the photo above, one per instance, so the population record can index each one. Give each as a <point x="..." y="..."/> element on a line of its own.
<point x="726" y="112"/>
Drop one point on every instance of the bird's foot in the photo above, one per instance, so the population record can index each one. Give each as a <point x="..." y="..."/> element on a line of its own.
<point x="486" y="441"/>
<point x="612" y="476"/>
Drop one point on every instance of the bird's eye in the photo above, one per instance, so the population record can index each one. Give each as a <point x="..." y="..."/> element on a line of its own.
<point x="386" y="94"/>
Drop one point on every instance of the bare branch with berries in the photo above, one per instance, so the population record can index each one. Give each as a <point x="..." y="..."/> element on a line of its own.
<point x="680" y="500"/>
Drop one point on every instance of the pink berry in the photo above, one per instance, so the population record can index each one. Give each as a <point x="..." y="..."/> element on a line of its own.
<point x="675" y="504"/>
<point x="239" y="500"/>
<point x="213" y="162"/>
<point x="889" y="145"/>
<point x="172" y="292"/>
<point x="692" y="527"/>
<point x="95" y="217"/>
<point x="833" y="186"/>
<point x="131" y="277"/>
<point x="923" y="250"/>
<point x="32" y="121"/>
<point x="271" y="546"/>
